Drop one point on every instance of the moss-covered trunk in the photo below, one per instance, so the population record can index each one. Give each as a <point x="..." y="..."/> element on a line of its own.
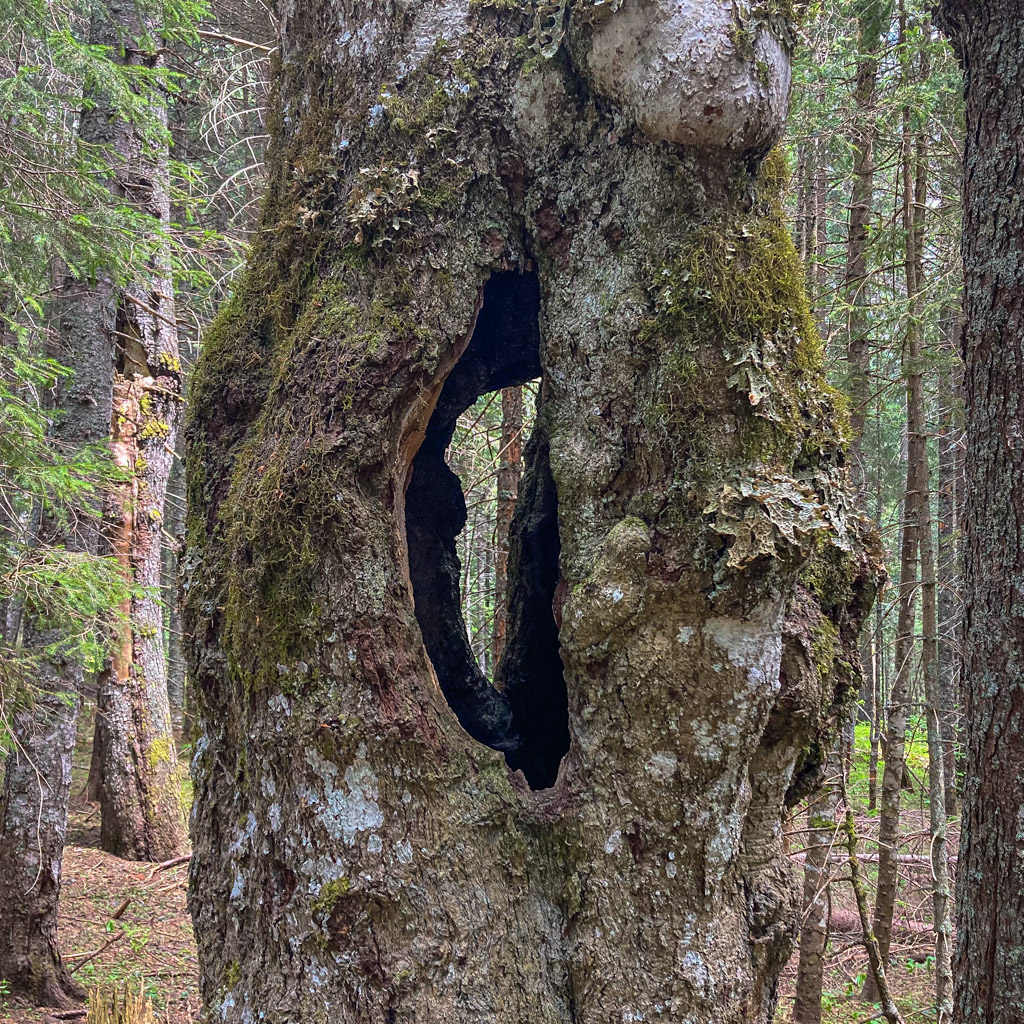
<point x="358" y="854"/>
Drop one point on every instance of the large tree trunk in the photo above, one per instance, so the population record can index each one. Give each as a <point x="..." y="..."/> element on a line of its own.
<point x="989" y="36"/>
<point x="451" y="214"/>
<point x="142" y="816"/>
<point x="33" y="816"/>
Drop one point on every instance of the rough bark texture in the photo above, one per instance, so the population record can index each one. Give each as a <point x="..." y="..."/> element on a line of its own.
<point x="358" y="856"/>
<point x="989" y="37"/>
<point x="142" y="816"/>
<point x="950" y="608"/>
<point x="33" y="816"/>
<point x="174" y="519"/>
<point x="37" y="784"/>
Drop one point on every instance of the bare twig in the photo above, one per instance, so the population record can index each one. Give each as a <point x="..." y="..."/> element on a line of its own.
<point x="86" y="957"/>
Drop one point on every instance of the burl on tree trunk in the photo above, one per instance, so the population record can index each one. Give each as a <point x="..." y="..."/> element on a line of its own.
<point x="464" y="197"/>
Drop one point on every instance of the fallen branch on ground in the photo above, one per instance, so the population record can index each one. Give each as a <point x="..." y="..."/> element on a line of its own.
<point x="172" y="863"/>
<point x="95" y="953"/>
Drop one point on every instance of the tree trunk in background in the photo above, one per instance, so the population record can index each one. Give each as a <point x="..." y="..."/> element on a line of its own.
<point x="821" y="839"/>
<point x="989" y="36"/>
<point x="142" y="815"/>
<point x="37" y="783"/>
<point x="174" y="521"/>
<point x="880" y="698"/>
<point x="873" y="17"/>
<point x="488" y="221"/>
<point x="509" y="470"/>
<point x="941" y="891"/>
<point x="915" y="516"/>
<point x="949" y="580"/>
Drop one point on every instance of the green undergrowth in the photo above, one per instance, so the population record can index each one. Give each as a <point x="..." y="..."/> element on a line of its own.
<point x="916" y="759"/>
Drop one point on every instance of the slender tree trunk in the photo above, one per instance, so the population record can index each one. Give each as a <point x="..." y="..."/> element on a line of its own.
<point x="915" y="514"/>
<point x="509" y="471"/>
<point x="989" y="37"/>
<point x="941" y="889"/>
<point x="352" y="827"/>
<point x="817" y="901"/>
<point x="873" y="18"/>
<point x="949" y="581"/>
<point x="142" y="815"/>
<point x="878" y="644"/>
<point x="876" y="959"/>
<point x="174" y="520"/>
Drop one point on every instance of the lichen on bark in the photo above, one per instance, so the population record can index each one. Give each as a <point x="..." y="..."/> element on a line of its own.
<point x="346" y="829"/>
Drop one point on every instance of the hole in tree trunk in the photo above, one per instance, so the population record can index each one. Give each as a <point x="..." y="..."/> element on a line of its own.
<point x="523" y="710"/>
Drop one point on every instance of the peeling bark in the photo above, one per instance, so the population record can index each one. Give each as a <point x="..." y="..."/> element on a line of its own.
<point x="142" y="815"/>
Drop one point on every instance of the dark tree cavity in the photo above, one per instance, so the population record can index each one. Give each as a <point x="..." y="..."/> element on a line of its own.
<point x="523" y="712"/>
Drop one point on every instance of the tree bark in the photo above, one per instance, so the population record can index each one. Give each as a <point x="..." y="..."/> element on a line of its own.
<point x="142" y="815"/>
<point x="873" y="20"/>
<point x="949" y="577"/>
<point x="174" y="519"/>
<point x="989" y="37"/>
<point x="444" y="220"/>
<point x="915" y="516"/>
<point x="941" y="890"/>
<point x="509" y="471"/>
<point x="33" y="816"/>
<point x="37" y="784"/>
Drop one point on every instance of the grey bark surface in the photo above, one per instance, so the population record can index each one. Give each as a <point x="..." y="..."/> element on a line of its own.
<point x="174" y="519"/>
<point x="989" y="960"/>
<point x="358" y="856"/>
<point x="33" y="816"/>
<point x="37" y="784"/>
<point x="142" y="815"/>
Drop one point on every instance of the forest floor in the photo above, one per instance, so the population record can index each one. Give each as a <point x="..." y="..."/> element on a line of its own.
<point x="135" y="914"/>
<point x="146" y="944"/>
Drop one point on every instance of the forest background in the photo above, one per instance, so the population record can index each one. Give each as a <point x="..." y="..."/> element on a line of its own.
<point x="131" y="149"/>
